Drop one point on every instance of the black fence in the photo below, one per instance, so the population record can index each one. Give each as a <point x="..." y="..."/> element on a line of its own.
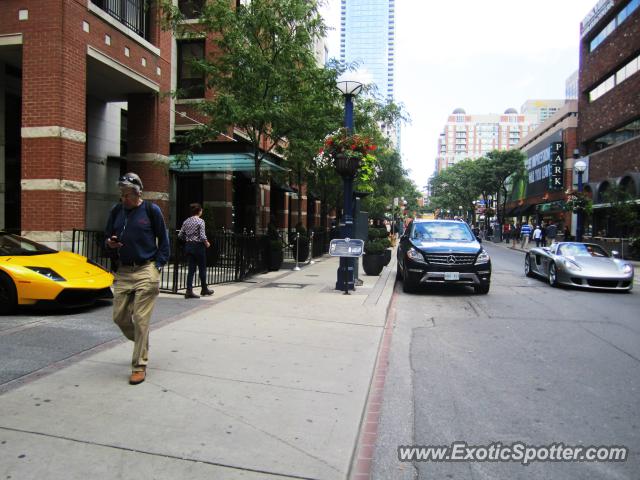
<point x="231" y="258"/>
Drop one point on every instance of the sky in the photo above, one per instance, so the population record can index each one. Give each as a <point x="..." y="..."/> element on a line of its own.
<point x="484" y="57"/>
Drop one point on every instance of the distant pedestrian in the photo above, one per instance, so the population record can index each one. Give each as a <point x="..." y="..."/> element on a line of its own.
<point x="136" y="229"/>
<point x="543" y="238"/>
<point x="525" y="234"/>
<point x="537" y="235"/>
<point x="193" y="234"/>
<point x="552" y="232"/>
<point x="515" y="235"/>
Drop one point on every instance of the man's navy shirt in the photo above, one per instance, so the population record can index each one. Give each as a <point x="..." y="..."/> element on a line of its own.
<point x="135" y="231"/>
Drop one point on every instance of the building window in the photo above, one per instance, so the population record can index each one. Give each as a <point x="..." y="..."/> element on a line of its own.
<point x="190" y="8"/>
<point x="622" y="134"/>
<point x="627" y="10"/>
<point x="190" y="79"/>
<point x="615" y="79"/>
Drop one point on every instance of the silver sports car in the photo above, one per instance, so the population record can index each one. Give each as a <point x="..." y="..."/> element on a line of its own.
<point x="575" y="264"/>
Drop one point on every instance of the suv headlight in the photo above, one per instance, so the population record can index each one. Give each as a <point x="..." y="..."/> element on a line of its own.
<point x="416" y="256"/>
<point x="483" y="257"/>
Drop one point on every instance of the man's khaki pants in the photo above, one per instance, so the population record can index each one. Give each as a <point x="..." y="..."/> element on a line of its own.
<point x="135" y="291"/>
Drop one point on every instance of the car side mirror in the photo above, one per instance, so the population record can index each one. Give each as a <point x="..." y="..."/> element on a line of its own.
<point x="615" y="254"/>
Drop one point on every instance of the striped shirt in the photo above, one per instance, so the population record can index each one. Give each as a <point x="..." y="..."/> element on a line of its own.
<point x="192" y="230"/>
<point x="526" y="229"/>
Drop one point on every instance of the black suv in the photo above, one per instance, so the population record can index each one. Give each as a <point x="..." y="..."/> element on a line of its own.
<point x="444" y="252"/>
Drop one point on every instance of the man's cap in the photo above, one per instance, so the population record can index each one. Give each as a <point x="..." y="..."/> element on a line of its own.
<point x="130" y="180"/>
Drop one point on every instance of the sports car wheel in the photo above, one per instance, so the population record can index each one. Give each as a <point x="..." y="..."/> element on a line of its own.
<point x="553" y="275"/>
<point x="8" y="297"/>
<point x="527" y="266"/>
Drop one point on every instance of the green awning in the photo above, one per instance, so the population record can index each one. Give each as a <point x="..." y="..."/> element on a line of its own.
<point x="223" y="162"/>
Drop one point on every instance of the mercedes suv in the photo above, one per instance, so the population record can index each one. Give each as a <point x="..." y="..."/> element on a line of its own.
<point x="444" y="252"/>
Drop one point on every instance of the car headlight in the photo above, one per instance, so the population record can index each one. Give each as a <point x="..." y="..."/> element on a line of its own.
<point x="416" y="256"/>
<point x="47" y="272"/>
<point x="483" y="257"/>
<point x="571" y="265"/>
<point x="626" y="268"/>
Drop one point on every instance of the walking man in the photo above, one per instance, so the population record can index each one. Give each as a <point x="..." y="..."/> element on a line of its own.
<point x="552" y="232"/>
<point x="137" y="230"/>
<point x="525" y="233"/>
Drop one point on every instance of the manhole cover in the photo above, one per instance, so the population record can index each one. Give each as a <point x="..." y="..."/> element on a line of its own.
<point x="286" y="285"/>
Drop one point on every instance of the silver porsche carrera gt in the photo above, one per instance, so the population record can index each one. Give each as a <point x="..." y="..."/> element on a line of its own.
<point x="583" y="265"/>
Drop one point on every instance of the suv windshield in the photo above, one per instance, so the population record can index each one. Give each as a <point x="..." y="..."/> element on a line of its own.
<point x="15" y="245"/>
<point x="438" y="231"/>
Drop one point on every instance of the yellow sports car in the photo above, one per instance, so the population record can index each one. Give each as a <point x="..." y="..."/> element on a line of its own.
<point x="31" y="273"/>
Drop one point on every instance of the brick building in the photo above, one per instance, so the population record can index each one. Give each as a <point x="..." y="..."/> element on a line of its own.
<point x="80" y="102"/>
<point x="609" y="104"/>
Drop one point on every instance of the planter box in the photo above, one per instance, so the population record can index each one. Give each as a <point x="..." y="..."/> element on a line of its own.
<point x="373" y="264"/>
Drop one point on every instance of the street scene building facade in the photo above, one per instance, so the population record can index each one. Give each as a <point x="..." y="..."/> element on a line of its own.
<point x="609" y="105"/>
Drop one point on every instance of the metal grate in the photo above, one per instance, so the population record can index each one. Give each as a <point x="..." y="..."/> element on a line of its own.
<point x="450" y="258"/>
<point x="131" y="13"/>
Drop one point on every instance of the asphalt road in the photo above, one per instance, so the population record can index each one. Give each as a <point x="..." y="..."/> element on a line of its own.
<point x="32" y="340"/>
<point x="525" y="363"/>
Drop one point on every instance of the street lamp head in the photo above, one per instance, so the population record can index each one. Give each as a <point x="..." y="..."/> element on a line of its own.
<point x="580" y="166"/>
<point x="349" y="87"/>
<point x="576" y="153"/>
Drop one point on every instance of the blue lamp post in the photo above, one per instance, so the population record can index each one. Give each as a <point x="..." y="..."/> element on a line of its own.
<point x="345" y="280"/>
<point x="580" y="166"/>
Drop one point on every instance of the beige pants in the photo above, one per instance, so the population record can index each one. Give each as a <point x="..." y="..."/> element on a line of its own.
<point x="135" y="291"/>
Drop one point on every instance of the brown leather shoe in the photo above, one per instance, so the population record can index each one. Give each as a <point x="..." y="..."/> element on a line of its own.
<point x="190" y="294"/>
<point x="205" y="291"/>
<point x="137" y="377"/>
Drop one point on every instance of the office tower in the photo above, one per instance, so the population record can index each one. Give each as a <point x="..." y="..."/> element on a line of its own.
<point x="367" y="33"/>
<point x="542" y="109"/>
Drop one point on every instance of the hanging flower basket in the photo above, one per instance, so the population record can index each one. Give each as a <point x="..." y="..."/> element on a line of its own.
<point x="346" y="151"/>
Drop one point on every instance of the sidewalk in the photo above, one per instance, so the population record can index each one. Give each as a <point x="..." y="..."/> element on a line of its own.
<point x="264" y="380"/>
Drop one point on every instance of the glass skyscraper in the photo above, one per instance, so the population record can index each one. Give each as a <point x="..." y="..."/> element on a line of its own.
<point x="367" y="33"/>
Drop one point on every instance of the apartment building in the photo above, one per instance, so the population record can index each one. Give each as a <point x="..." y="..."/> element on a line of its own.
<point x="473" y="136"/>
<point x="80" y="103"/>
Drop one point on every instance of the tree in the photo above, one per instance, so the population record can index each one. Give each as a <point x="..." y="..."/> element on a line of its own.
<point x="264" y="74"/>
<point x="507" y="167"/>
<point x="622" y="210"/>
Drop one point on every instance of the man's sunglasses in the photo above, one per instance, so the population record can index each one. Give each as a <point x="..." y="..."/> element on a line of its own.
<point x="127" y="178"/>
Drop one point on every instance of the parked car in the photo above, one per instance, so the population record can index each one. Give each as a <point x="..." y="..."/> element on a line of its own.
<point x="444" y="252"/>
<point x="31" y="273"/>
<point x="582" y="265"/>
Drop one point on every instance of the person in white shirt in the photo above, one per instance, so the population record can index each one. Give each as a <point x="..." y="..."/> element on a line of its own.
<point x="537" y="235"/>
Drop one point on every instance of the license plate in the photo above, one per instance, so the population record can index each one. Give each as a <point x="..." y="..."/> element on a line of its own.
<point x="452" y="275"/>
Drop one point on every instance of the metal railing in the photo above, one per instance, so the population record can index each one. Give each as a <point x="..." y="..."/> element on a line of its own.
<point x="131" y="13"/>
<point x="231" y="258"/>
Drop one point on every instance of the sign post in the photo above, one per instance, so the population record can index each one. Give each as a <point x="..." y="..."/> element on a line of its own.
<point x="346" y="248"/>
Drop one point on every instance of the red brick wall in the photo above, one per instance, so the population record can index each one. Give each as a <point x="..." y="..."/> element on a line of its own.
<point x="615" y="161"/>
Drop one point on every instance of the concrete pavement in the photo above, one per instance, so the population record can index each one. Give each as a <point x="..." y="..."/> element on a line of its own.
<point x="263" y="380"/>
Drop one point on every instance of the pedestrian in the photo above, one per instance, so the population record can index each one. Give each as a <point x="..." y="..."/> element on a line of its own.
<point x="543" y="238"/>
<point x="552" y="232"/>
<point x="193" y="234"/>
<point x="136" y="229"/>
<point x="515" y="235"/>
<point x="525" y="233"/>
<point x="537" y="235"/>
<point x="567" y="234"/>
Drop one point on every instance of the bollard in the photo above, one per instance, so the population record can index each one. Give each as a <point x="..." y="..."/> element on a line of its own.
<point x="296" y="268"/>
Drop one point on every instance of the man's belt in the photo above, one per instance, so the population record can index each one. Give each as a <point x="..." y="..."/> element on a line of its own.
<point x="137" y="263"/>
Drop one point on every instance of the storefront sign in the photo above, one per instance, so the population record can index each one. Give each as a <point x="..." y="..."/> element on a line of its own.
<point x="601" y="8"/>
<point x="542" y="161"/>
<point x="557" y="166"/>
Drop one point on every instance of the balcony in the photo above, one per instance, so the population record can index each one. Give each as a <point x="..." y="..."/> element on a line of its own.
<point x="133" y="14"/>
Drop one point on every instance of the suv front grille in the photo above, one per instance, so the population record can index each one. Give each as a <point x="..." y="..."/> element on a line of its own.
<point x="450" y="258"/>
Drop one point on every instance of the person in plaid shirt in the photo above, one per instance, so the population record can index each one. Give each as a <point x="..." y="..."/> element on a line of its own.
<point x="193" y="234"/>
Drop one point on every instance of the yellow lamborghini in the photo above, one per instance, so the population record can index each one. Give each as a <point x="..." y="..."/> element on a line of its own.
<point x="31" y="273"/>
